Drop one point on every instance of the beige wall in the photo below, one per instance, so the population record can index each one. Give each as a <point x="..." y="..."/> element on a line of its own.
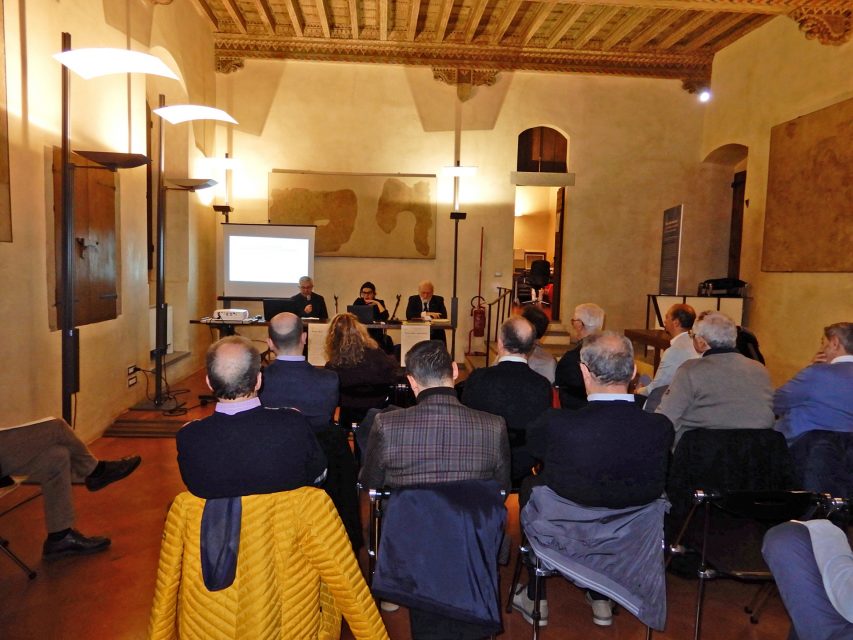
<point x="635" y="147"/>
<point x="534" y="227"/>
<point x="30" y="352"/>
<point x="769" y="77"/>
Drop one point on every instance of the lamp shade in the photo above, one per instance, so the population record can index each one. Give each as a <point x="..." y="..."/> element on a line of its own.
<point x="103" y="61"/>
<point x="190" y="184"/>
<point x="460" y="171"/>
<point x="178" y="113"/>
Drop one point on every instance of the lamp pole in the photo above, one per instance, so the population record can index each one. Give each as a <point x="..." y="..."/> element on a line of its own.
<point x="161" y="309"/>
<point x="70" y="333"/>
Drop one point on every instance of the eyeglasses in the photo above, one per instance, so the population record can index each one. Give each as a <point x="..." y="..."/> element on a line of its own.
<point x="577" y="320"/>
<point x="367" y="292"/>
<point x="691" y="334"/>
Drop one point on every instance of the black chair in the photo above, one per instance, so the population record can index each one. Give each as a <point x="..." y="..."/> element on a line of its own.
<point x="731" y="533"/>
<point x="538" y="277"/>
<point x="357" y="399"/>
<point x="823" y="461"/>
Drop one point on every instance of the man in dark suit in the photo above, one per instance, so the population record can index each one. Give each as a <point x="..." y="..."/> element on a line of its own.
<point x="290" y="381"/>
<point x="425" y="302"/>
<point x="512" y="390"/>
<point x="439" y="439"/>
<point x="244" y="448"/>
<point x="609" y="453"/>
<point x="311" y="305"/>
<point x="587" y="319"/>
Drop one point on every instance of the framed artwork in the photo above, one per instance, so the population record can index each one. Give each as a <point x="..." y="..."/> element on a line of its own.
<point x="371" y="215"/>
<point x="5" y="186"/>
<point x="807" y="223"/>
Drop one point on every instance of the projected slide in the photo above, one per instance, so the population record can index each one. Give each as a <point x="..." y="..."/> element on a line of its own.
<point x="256" y="259"/>
<point x="266" y="260"/>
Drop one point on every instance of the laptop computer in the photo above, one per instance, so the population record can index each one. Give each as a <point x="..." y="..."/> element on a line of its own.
<point x="366" y="313"/>
<point x="275" y="306"/>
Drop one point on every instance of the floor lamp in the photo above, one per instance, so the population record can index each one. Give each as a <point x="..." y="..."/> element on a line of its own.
<point x="174" y="114"/>
<point x="87" y="63"/>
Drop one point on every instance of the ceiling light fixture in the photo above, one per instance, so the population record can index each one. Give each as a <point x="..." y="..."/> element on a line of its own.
<point x="93" y="63"/>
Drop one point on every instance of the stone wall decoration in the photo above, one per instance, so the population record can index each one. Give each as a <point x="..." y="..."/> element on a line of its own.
<point x="359" y="214"/>
<point x="808" y="224"/>
<point x="5" y="186"/>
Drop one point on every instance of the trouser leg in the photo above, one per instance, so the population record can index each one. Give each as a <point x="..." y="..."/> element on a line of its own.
<point x="52" y="470"/>
<point x="789" y="554"/>
<point x="21" y="446"/>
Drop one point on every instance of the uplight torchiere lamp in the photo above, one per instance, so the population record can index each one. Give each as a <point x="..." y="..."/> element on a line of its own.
<point x="87" y="63"/>
<point x="174" y="114"/>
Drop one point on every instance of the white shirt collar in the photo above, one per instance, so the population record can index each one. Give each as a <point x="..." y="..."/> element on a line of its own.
<point x="679" y="337"/>
<point x="608" y="397"/>
<point x="845" y="358"/>
<point x="512" y="358"/>
<point x="287" y="358"/>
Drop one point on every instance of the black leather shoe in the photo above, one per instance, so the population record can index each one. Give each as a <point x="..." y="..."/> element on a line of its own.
<point x="113" y="470"/>
<point x="74" y="544"/>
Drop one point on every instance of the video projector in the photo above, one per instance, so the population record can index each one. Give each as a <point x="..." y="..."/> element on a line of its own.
<point x="231" y="315"/>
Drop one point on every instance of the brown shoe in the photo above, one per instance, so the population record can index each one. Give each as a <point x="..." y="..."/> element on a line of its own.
<point x="74" y="544"/>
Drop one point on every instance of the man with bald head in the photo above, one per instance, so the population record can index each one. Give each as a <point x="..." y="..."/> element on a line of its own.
<point x="426" y="304"/>
<point x="290" y="381"/>
<point x="512" y="390"/>
<point x="244" y="448"/>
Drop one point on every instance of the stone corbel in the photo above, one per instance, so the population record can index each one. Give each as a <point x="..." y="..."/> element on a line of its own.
<point x="465" y="79"/>
<point x="828" y="25"/>
<point x="229" y="65"/>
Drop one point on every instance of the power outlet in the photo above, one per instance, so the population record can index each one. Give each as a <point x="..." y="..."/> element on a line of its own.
<point x="131" y="381"/>
<point x="131" y="369"/>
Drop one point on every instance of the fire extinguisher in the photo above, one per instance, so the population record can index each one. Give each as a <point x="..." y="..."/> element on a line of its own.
<point x="478" y="313"/>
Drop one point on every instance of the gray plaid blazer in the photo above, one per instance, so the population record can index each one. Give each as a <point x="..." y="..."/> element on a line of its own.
<point x="439" y="440"/>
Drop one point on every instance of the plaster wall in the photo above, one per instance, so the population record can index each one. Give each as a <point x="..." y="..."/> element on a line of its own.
<point x="773" y="75"/>
<point x="31" y="375"/>
<point x="635" y="148"/>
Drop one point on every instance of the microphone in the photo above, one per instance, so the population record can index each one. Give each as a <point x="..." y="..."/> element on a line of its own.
<point x="336" y="303"/>
<point x="396" y="306"/>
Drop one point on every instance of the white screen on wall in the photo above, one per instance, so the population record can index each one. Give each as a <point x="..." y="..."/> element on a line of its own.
<point x="266" y="260"/>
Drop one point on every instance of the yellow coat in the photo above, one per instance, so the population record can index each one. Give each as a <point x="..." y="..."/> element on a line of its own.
<point x="296" y="574"/>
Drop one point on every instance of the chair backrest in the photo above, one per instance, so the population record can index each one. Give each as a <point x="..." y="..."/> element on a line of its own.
<point x="823" y="461"/>
<point x="540" y="273"/>
<point x="726" y="460"/>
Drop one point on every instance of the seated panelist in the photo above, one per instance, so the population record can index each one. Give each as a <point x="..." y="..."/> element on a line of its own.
<point x="426" y="304"/>
<point x="367" y="295"/>
<point x="312" y="305"/>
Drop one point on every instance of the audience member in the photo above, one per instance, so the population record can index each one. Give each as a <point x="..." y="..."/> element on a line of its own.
<point x="426" y="303"/>
<point x="609" y="453"/>
<point x="357" y="359"/>
<point x="291" y="382"/>
<point x="49" y="453"/>
<point x="821" y="395"/>
<point x="312" y="305"/>
<point x="721" y="390"/>
<point x="438" y="440"/>
<point x="588" y="319"/>
<point x="812" y="566"/>
<point x="244" y="448"/>
<point x="540" y="360"/>
<point x="678" y="322"/>
<point x="512" y="390"/>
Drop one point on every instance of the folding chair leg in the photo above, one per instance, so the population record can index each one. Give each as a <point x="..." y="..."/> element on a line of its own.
<point x="648" y="633"/>
<point x="516" y="574"/>
<point x="537" y="597"/>
<point x="4" y="547"/>
<point x="756" y="605"/>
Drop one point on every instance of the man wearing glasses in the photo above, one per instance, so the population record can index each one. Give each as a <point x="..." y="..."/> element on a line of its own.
<point x="312" y="305"/>
<point x="587" y="320"/>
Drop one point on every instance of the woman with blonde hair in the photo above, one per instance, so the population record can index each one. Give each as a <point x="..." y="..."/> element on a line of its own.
<point x="359" y="362"/>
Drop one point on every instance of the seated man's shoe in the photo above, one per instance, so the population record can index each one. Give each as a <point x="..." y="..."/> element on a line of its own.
<point x="524" y="605"/>
<point x="602" y="611"/>
<point x="113" y="470"/>
<point x="74" y="544"/>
